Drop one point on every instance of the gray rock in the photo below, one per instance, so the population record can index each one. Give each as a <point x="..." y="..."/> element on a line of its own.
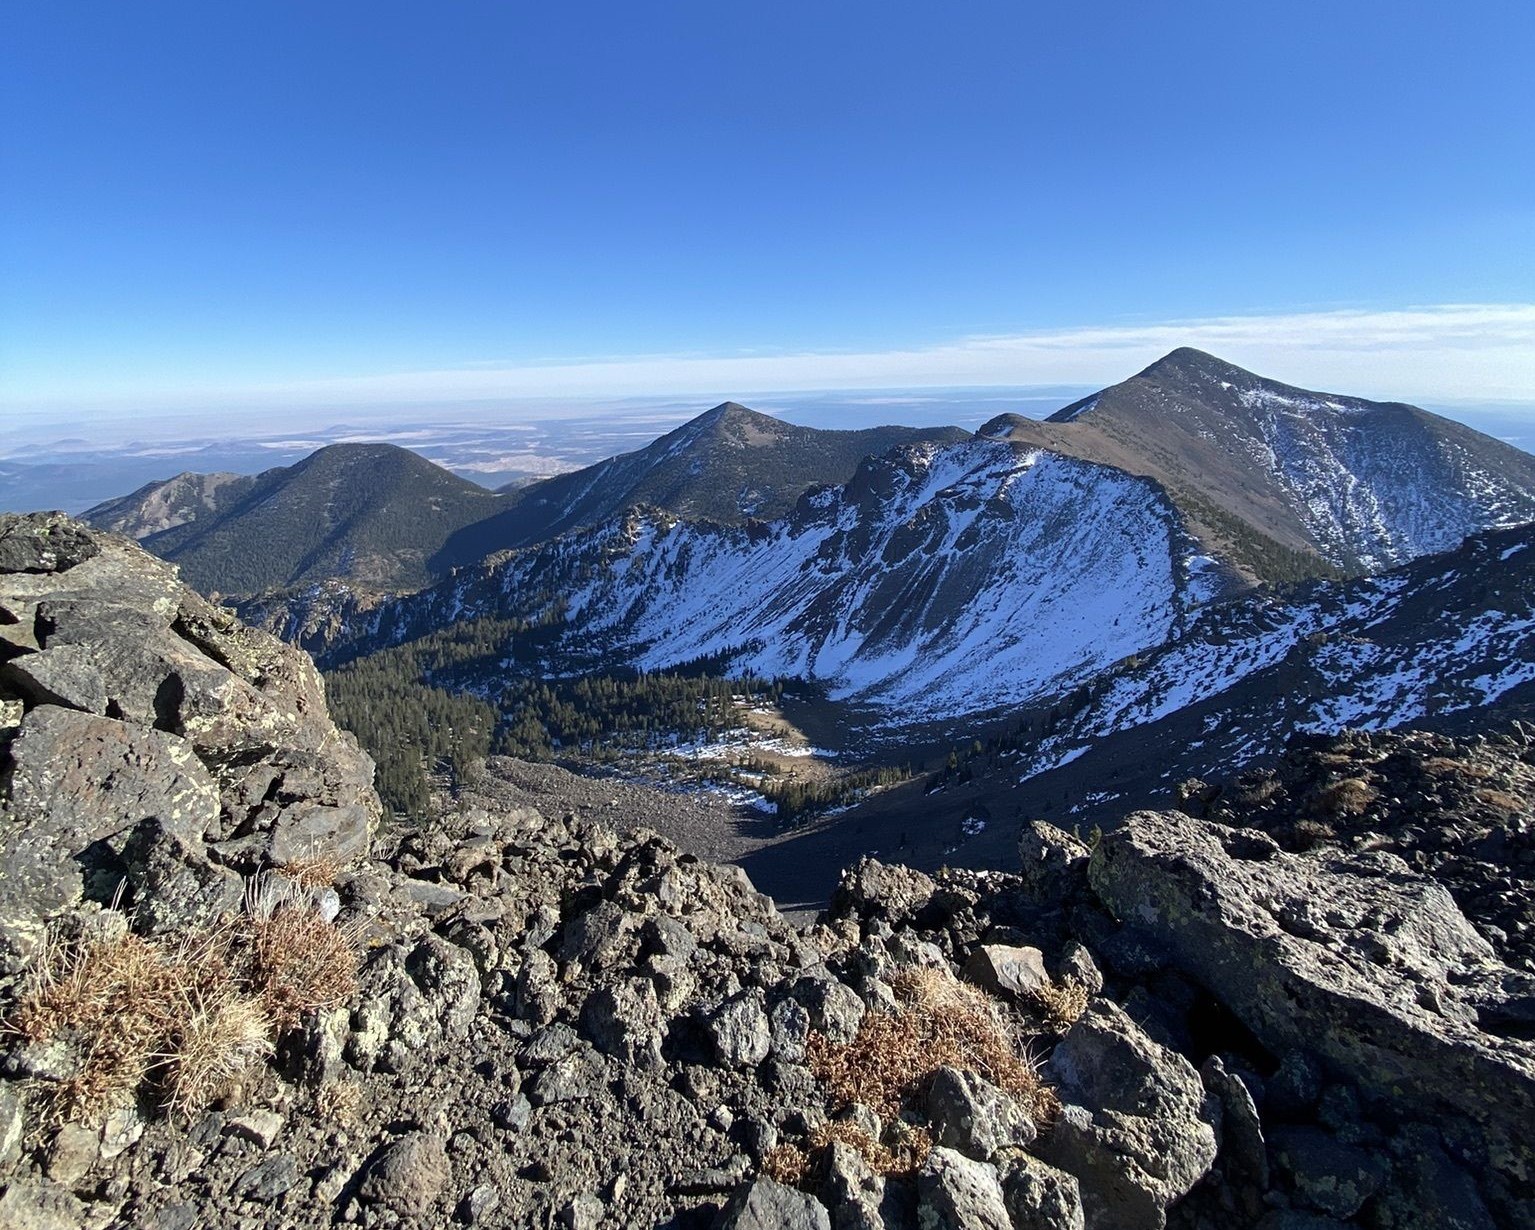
<point x="975" y="1117"/>
<point x="1428" y="1191"/>
<point x="512" y="1114"/>
<point x="852" y="1191"/>
<point x="790" y="1028"/>
<point x="1038" y="1196"/>
<point x="578" y="1076"/>
<point x="766" y="1205"/>
<point x="836" y="1010"/>
<point x="78" y="780"/>
<point x="408" y="1175"/>
<point x="882" y="890"/>
<point x="624" y="1020"/>
<point x="955" y="1193"/>
<point x="71" y="1154"/>
<point x="480" y="1203"/>
<point x="740" y="1031"/>
<point x="260" y="1127"/>
<point x="64" y="675"/>
<point x="1137" y="1131"/>
<point x="12" y="1122"/>
<point x="266" y="1181"/>
<point x="446" y="974"/>
<point x="39" y="1206"/>
<point x="1329" y="953"/>
<point x="44" y="542"/>
<point x="1052" y="862"/>
<point x="1243" y="1153"/>
<point x="1004" y="967"/>
<point x="582" y="1213"/>
<point x="1328" y="1175"/>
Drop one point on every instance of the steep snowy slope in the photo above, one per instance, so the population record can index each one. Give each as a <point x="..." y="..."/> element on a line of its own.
<point x="1444" y="634"/>
<point x="939" y="581"/>
<point x="1365" y="485"/>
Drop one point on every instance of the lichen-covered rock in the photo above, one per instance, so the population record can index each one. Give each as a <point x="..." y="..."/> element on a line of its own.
<point x="1136" y="1131"/>
<point x="1351" y="957"/>
<point x="156" y="743"/>
<point x="956" y="1193"/>
<point x="1038" y="1196"/>
<point x="766" y="1205"/>
<point x="973" y="1116"/>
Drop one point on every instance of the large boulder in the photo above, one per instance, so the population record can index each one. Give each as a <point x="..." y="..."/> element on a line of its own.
<point x="1137" y="1128"/>
<point x="1351" y="957"/>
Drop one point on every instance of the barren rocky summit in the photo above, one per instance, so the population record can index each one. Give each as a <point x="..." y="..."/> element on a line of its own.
<point x="234" y="996"/>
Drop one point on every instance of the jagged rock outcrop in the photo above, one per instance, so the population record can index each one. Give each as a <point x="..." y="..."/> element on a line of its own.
<point x="151" y="741"/>
<point x="1361" y="970"/>
<point x="552" y="1023"/>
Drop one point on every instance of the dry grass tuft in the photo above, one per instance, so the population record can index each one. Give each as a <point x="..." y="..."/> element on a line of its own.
<point x="299" y="962"/>
<point x="109" y="999"/>
<point x="1350" y="797"/>
<point x="183" y="1017"/>
<point x="313" y="870"/>
<point x="339" y="1102"/>
<point x="941" y="1022"/>
<point x="222" y="1034"/>
<point x="787" y="1164"/>
<point x="1500" y="800"/>
<point x="1061" y="1003"/>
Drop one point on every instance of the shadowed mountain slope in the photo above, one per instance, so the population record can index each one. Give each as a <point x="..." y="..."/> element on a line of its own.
<point x="370" y="514"/>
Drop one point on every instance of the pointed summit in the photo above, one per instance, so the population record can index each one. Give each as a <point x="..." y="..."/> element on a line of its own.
<point x="727" y="464"/>
<point x="1186" y="361"/>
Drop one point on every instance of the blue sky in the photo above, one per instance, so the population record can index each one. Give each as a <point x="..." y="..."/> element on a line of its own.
<point x="238" y="204"/>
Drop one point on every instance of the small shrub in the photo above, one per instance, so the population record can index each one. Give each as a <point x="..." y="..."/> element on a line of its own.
<point x="941" y="1022"/>
<point x="1061" y="1003"/>
<point x="786" y="1163"/>
<point x="182" y="1017"/>
<point x="299" y="962"/>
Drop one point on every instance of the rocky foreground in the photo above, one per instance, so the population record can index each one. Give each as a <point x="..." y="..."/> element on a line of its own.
<point x="232" y="998"/>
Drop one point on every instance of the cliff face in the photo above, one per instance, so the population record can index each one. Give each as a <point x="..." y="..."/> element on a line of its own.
<point x="1308" y="1005"/>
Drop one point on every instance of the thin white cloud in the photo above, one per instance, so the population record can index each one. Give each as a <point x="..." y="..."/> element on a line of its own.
<point x="1456" y="350"/>
<point x="1431" y="353"/>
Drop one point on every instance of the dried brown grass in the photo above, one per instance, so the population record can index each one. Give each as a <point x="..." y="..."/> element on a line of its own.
<point x="940" y="1022"/>
<point x="339" y="1102"/>
<point x="1061" y="1003"/>
<point x="185" y="1017"/>
<point x="313" y="870"/>
<point x="140" y="1012"/>
<point x="1350" y="797"/>
<point x="299" y="962"/>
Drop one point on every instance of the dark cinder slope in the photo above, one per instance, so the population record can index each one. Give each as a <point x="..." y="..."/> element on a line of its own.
<point x="370" y="514"/>
<point x="727" y="464"/>
<point x="1290" y="481"/>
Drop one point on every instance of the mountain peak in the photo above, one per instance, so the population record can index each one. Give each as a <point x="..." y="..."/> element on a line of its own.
<point x="1186" y="361"/>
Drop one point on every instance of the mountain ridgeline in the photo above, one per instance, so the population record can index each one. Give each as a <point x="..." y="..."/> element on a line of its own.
<point x="1275" y="476"/>
<point x="726" y="465"/>
<point x="917" y="580"/>
<point x="371" y="514"/>
<point x="383" y="519"/>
